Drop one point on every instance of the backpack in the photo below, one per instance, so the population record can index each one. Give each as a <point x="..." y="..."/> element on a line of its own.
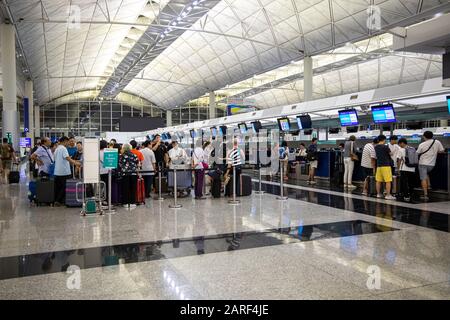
<point x="411" y="157"/>
<point x="282" y="153"/>
<point x="311" y="154"/>
<point x="6" y="152"/>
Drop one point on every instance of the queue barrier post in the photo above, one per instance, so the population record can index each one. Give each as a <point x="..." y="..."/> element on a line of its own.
<point x="259" y="192"/>
<point x="281" y="197"/>
<point x="234" y="201"/>
<point x="175" y="205"/>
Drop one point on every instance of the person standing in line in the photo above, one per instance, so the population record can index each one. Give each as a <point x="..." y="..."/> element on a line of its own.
<point x="384" y="168"/>
<point x="427" y="152"/>
<point x="198" y="161"/>
<point x="349" y="161"/>
<point x="103" y="171"/>
<point x="79" y="157"/>
<point x="8" y="156"/>
<point x="136" y="152"/>
<point x="284" y="159"/>
<point x="128" y="163"/>
<point x="368" y="163"/>
<point x="235" y="159"/>
<point x="177" y="155"/>
<point x="394" y="147"/>
<point x="406" y="173"/>
<point x="43" y="157"/>
<point x="62" y="170"/>
<point x="313" y="158"/>
<point x="34" y="166"/>
<point x="148" y="167"/>
<point x="71" y="147"/>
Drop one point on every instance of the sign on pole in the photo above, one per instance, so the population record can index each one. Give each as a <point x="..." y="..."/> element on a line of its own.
<point x="9" y="137"/>
<point x="110" y="158"/>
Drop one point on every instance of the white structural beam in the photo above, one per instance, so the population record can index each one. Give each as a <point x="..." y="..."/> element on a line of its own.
<point x="10" y="119"/>
<point x="212" y="105"/>
<point x="308" y="78"/>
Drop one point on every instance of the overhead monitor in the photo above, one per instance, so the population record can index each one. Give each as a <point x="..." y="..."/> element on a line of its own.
<point x="448" y="104"/>
<point x="348" y="117"/>
<point x="192" y="133"/>
<point x="304" y="122"/>
<point x="383" y="113"/>
<point x="164" y="136"/>
<point x="284" y="124"/>
<point x="213" y="132"/>
<point x="256" y="126"/>
<point x="242" y="127"/>
<point x="308" y="132"/>
<point x="352" y="129"/>
<point x="168" y="135"/>
<point x="223" y="130"/>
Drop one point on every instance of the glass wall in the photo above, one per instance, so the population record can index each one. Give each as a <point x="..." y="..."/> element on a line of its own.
<point x="90" y="118"/>
<point x="188" y="114"/>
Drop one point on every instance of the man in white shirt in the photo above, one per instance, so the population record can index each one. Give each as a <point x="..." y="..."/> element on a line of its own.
<point x="427" y="152"/>
<point x="62" y="170"/>
<point x="177" y="155"/>
<point x="394" y="147"/>
<point x="406" y="173"/>
<point x="148" y="167"/>
<point x="368" y="163"/>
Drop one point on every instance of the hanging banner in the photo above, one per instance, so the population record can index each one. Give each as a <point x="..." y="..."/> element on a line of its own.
<point x="26" y="115"/>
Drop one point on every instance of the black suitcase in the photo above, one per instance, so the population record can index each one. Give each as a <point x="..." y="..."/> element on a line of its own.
<point x="372" y="185"/>
<point x="14" y="176"/>
<point x="45" y="192"/>
<point x="245" y="185"/>
<point x="216" y="186"/>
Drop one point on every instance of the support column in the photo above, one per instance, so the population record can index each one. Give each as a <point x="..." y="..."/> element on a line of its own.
<point x="212" y="105"/>
<point x="308" y="78"/>
<point x="37" y="121"/>
<point x="169" y="118"/>
<point x="29" y="95"/>
<point x="10" y="116"/>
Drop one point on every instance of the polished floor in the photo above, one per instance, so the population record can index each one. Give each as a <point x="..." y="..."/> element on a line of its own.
<point x="318" y="244"/>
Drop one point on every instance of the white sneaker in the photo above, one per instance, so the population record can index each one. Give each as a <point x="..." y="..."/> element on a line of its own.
<point x="390" y="197"/>
<point x="132" y="206"/>
<point x="379" y="196"/>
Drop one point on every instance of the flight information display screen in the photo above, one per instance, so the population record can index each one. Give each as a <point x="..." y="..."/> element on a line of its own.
<point x="242" y="128"/>
<point x="348" y="117"/>
<point x="284" y="124"/>
<point x="383" y="114"/>
<point x="304" y="122"/>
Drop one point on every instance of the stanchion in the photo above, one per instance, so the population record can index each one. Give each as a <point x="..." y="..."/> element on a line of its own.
<point x="175" y="205"/>
<point x="160" y="198"/>
<point x="259" y="192"/>
<point x="110" y="209"/>
<point x="281" y="196"/>
<point x="234" y="201"/>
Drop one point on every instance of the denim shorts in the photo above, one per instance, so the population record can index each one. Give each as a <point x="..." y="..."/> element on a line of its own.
<point x="424" y="170"/>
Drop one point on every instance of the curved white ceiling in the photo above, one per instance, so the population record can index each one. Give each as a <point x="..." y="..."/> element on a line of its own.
<point x="232" y="42"/>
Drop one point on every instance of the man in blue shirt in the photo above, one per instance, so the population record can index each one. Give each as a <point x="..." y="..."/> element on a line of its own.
<point x="72" y="148"/>
<point x="43" y="157"/>
<point x="62" y="170"/>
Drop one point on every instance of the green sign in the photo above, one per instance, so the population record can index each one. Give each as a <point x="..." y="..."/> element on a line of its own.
<point x="110" y="158"/>
<point x="9" y="136"/>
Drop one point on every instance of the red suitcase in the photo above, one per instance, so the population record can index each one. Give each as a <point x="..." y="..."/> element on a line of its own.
<point x="140" y="191"/>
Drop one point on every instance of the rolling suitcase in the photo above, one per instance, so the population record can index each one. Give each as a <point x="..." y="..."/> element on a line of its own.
<point x="71" y="191"/>
<point x="245" y="185"/>
<point x="45" y="192"/>
<point x="14" y="176"/>
<point x="372" y="186"/>
<point x="32" y="191"/>
<point x="140" y="191"/>
<point x="216" y="186"/>
<point x="116" y="195"/>
<point x="184" y="179"/>
<point x="164" y="186"/>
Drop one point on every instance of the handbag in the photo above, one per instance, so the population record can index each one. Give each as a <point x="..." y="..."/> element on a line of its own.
<point x="353" y="156"/>
<point x="51" y="167"/>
